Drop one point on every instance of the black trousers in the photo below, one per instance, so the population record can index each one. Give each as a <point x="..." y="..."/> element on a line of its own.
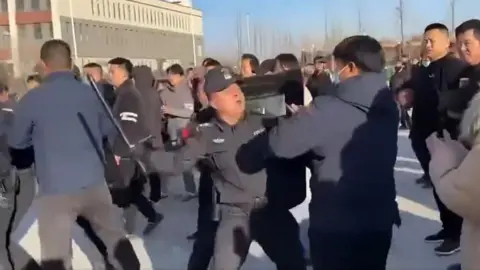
<point x="349" y="251"/>
<point x="405" y="120"/>
<point x="155" y="187"/>
<point x="143" y="205"/>
<point x="275" y="230"/>
<point x="204" y="244"/>
<point x="451" y="222"/>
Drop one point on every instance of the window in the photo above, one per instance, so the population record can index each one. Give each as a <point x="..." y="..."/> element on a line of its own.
<point x="108" y="9"/>
<point x="79" y="31"/>
<point x="92" y="6"/>
<point x="162" y="19"/>
<point x="50" y="30"/>
<point x="37" y="31"/>
<point x="67" y="27"/>
<point x="124" y="12"/>
<point x="35" y="4"/>
<point x="98" y="8"/>
<point x="129" y="14"/>
<point x="4" y="5"/>
<point x="20" y="5"/>
<point x="22" y="30"/>
<point x="114" y="11"/>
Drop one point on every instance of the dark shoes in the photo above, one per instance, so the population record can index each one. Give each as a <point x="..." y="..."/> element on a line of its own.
<point x="424" y="181"/>
<point x="447" y="247"/>
<point x="192" y="236"/>
<point x="153" y="224"/>
<point x="435" y="238"/>
<point x="455" y="266"/>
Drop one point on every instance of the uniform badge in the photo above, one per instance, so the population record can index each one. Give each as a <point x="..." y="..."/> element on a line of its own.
<point x="226" y="74"/>
<point x="463" y="82"/>
<point x="218" y="140"/>
<point x="258" y="131"/>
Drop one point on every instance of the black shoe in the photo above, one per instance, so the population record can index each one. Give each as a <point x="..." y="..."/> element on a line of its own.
<point x="436" y="238"/>
<point x="428" y="184"/>
<point x="193" y="236"/>
<point x="421" y="180"/>
<point x="448" y="247"/>
<point x="153" y="224"/>
<point x="455" y="266"/>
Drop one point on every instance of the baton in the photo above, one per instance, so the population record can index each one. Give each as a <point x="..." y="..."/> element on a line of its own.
<point x="108" y="111"/>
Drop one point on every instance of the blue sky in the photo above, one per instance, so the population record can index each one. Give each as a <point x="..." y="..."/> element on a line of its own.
<point x="302" y="18"/>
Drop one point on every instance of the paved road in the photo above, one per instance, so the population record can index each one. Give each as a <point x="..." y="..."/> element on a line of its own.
<point x="167" y="248"/>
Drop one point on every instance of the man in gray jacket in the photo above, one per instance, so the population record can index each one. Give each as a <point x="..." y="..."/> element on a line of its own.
<point x="178" y="107"/>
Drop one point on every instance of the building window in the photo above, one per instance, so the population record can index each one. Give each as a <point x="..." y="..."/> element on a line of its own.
<point x="35" y="4"/>
<point x="37" y="31"/>
<point x="20" y="5"/>
<point x="4" y="5"/>
<point x="50" y="30"/>
<point x="114" y="7"/>
<point x="93" y="7"/>
<point x="22" y="30"/>
<point x="124" y="11"/>
<point x="108" y="9"/>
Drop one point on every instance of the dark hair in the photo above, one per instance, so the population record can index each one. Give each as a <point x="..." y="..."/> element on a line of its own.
<point x="253" y="60"/>
<point x="436" y="26"/>
<point x="3" y="87"/>
<point x="123" y="63"/>
<point x="190" y="69"/>
<point x="175" y="69"/>
<point x="288" y="60"/>
<point x="34" y="78"/>
<point x="319" y="58"/>
<point x="56" y="54"/>
<point x="472" y="24"/>
<point x="364" y="51"/>
<point x="92" y="65"/>
<point x="210" y="62"/>
<point x="268" y="65"/>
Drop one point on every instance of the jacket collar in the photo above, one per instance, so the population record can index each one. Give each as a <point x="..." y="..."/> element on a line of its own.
<point x="362" y="89"/>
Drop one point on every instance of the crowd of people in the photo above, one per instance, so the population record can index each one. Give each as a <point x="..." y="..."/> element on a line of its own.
<point x="251" y="166"/>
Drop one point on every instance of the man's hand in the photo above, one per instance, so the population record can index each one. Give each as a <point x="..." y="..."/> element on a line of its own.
<point x="293" y="108"/>
<point x="117" y="160"/>
<point x="446" y="154"/>
<point x="165" y="109"/>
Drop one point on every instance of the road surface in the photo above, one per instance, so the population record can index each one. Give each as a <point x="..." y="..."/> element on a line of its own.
<point x="168" y="249"/>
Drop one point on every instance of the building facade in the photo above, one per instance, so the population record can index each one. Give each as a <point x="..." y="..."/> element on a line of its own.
<point x="150" y="32"/>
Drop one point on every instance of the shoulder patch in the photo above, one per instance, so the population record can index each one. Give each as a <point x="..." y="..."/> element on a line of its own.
<point x="203" y="125"/>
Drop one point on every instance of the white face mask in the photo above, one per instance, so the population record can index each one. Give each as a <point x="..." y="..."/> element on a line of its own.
<point x="336" y="75"/>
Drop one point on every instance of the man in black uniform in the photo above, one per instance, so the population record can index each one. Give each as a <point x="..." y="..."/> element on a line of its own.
<point x="240" y="178"/>
<point x="130" y="112"/>
<point x="430" y="115"/>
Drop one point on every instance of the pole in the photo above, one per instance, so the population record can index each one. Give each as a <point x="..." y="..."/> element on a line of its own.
<point x="194" y="45"/>
<point x="249" y="45"/>
<point x="401" y="16"/>
<point x="13" y="32"/>
<point x="74" y="35"/>
<point x="452" y="6"/>
<point x="360" y="23"/>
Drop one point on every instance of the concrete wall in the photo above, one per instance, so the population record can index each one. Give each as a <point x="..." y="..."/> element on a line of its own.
<point x="148" y="31"/>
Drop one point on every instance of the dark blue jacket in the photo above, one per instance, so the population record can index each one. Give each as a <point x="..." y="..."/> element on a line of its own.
<point x="351" y="141"/>
<point x="65" y="123"/>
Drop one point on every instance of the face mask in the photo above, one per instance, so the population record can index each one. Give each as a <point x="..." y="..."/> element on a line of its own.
<point x="425" y="63"/>
<point x="336" y="75"/>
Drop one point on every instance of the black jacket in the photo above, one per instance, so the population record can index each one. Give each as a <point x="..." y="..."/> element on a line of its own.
<point x="129" y="110"/>
<point x="352" y="161"/>
<point x="319" y="83"/>
<point x="144" y="82"/>
<point x="428" y="83"/>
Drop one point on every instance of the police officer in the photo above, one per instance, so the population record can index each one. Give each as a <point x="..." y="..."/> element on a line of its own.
<point x="231" y="145"/>
<point x="130" y="111"/>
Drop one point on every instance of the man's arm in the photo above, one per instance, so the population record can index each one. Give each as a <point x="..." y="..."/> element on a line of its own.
<point x="185" y="112"/>
<point x="303" y="131"/>
<point x="20" y="134"/>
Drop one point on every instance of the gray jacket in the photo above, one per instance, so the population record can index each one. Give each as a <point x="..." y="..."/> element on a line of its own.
<point x="65" y="123"/>
<point x="180" y="101"/>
